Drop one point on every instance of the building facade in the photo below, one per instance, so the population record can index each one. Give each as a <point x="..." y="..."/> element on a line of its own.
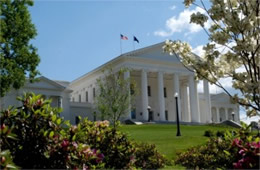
<point x="161" y="79"/>
<point x="57" y="91"/>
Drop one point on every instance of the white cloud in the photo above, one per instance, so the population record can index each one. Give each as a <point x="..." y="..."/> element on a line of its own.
<point x="198" y="50"/>
<point x="181" y="23"/>
<point x="173" y="7"/>
<point x="248" y="120"/>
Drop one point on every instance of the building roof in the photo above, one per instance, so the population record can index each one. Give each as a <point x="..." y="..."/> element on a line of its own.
<point x="152" y="52"/>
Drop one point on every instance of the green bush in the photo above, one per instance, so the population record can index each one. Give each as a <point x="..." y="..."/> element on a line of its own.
<point x="118" y="150"/>
<point x="42" y="139"/>
<point x="233" y="150"/>
<point x="208" y="133"/>
<point x="147" y="157"/>
<point x="34" y="136"/>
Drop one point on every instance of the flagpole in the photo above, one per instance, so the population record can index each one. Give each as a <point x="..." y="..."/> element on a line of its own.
<point x="120" y="45"/>
<point x="133" y="43"/>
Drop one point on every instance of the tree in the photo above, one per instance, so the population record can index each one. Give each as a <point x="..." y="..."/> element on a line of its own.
<point x="18" y="57"/>
<point x="114" y="96"/>
<point x="235" y="26"/>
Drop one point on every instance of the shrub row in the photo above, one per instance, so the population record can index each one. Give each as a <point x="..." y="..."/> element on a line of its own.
<point x="35" y="136"/>
<point x="228" y="150"/>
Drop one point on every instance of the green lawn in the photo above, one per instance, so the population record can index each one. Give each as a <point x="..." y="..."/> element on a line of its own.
<point x="164" y="136"/>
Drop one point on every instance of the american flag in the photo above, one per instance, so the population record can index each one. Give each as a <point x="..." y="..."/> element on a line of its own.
<point x="123" y="37"/>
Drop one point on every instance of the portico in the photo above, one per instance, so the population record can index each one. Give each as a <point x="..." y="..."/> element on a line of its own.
<point x="157" y="89"/>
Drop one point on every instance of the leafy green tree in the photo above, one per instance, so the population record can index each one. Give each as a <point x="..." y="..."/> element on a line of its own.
<point x="114" y="96"/>
<point x="235" y="27"/>
<point x="18" y="57"/>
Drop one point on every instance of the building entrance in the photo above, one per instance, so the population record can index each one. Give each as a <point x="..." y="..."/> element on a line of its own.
<point x="150" y="116"/>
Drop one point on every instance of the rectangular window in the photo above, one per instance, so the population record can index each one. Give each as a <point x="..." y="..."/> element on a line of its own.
<point x="77" y="120"/>
<point x="86" y="96"/>
<point x="149" y="90"/>
<point x="79" y="98"/>
<point x="94" y="93"/>
<point x="166" y="114"/>
<point x="73" y="99"/>
<point x="165" y="92"/>
<point x="133" y="114"/>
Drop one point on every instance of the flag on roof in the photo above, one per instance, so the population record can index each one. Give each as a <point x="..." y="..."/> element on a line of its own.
<point x="123" y="37"/>
<point x="135" y="39"/>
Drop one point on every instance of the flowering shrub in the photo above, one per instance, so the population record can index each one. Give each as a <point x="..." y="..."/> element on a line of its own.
<point x="34" y="136"/>
<point x="118" y="150"/>
<point x="6" y="161"/>
<point x="147" y="157"/>
<point x="42" y="139"/>
<point x="248" y="152"/>
<point x="233" y="150"/>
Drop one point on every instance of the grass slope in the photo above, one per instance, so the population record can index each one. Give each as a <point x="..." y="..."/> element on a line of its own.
<point x="165" y="139"/>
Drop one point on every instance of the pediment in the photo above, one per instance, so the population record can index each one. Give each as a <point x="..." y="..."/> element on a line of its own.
<point x="220" y="98"/>
<point x="154" y="52"/>
<point x="45" y="83"/>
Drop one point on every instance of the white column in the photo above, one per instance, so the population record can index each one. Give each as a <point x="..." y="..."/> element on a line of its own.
<point x="237" y="116"/>
<point x="226" y="113"/>
<point x="161" y="96"/>
<point x="144" y="96"/>
<point x="217" y="111"/>
<point x="194" y="110"/>
<point x="208" y="102"/>
<point x="176" y="83"/>
<point x="185" y="103"/>
<point x="197" y="99"/>
<point x="127" y="77"/>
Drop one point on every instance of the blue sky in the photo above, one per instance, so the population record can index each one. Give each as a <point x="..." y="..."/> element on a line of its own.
<point x="75" y="37"/>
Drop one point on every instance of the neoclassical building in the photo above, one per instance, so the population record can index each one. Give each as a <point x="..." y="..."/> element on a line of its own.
<point x="161" y="79"/>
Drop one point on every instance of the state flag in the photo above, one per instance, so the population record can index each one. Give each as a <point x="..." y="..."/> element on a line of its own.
<point x="135" y="39"/>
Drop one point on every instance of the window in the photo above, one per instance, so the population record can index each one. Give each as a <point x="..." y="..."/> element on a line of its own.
<point x="149" y="90"/>
<point x="73" y="99"/>
<point x="94" y="93"/>
<point x="166" y="115"/>
<point x="79" y="98"/>
<point x="77" y="120"/>
<point x="86" y="96"/>
<point x="133" y="114"/>
<point x="165" y="92"/>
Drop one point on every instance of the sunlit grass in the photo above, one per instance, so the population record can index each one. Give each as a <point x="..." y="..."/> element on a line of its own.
<point x="165" y="139"/>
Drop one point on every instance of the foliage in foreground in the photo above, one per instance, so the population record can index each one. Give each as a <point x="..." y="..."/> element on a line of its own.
<point x="147" y="157"/>
<point x="18" y="57"/>
<point x="35" y="136"/>
<point x="233" y="49"/>
<point x="240" y="151"/>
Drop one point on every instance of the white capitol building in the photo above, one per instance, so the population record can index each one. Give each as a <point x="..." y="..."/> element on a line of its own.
<point x="158" y="76"/>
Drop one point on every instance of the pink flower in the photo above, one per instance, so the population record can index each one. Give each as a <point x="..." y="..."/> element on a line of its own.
<point x="100" y="157"/>
<point x="255" y="144"/>
<point x="84" y="167"/>
<point x="75" y="144"/>
<point x="237" y="165"/>
<point x="65" y="143"/>
<point x="236" y="142"/>
<point x="242" y="152"/>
